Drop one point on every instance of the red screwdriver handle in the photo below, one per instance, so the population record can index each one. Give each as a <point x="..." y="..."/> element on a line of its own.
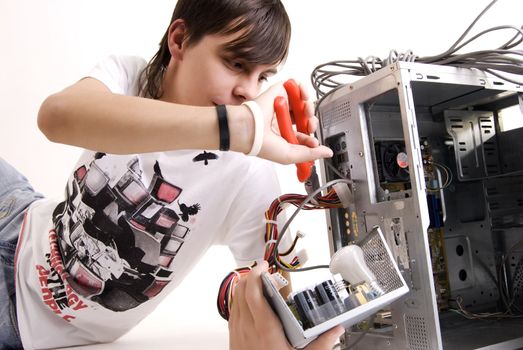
<point x="281" y="107"/>
<point x="297" y="106"/>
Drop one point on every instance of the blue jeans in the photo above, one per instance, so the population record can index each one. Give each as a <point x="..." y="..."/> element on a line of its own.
<point x="15" y="196"/>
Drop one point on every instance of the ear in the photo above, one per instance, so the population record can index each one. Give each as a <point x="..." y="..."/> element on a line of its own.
<point x="176" y="38"/>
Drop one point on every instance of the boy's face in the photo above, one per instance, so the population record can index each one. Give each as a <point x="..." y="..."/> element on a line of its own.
<point x="204" y="74"/>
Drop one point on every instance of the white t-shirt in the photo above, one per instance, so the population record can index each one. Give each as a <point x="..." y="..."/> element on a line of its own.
<point x="130" y="228"/>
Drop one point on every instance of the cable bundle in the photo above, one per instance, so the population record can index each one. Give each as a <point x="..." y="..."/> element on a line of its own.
<point x="504" y="59"/>
<point x="273" y="238"/>
<point x="226" y="290"/>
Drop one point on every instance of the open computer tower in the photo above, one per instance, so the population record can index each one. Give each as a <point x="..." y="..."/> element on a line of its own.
<point x="435" y="165"/>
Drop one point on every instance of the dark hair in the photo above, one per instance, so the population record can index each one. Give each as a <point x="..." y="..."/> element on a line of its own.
<point x="265" y="39"/>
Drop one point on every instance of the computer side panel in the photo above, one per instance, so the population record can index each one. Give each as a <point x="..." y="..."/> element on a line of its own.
<point x="356" y="121"/>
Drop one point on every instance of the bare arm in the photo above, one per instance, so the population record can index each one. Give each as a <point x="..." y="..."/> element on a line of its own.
<point x="88" y="115"/>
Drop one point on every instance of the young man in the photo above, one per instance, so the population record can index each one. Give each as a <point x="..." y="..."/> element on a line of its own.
<point x="151" y="192"/>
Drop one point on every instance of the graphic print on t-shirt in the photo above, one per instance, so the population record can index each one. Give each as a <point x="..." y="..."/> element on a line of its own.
<point x="118" y="238"/>
<point x="188" y="210"/>
<point x="205" y="157"/>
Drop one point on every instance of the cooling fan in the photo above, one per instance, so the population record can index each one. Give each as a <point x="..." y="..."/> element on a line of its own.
<point x="392" y="161"/>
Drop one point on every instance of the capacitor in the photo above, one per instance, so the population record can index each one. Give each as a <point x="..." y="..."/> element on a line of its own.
<point x="328" y="295"/>
<point x="308" y="308"/>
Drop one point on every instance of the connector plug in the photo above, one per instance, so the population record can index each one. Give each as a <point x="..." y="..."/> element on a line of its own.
<point x="302" y="256"/>
<point x="300" y="234"/>
<point x="278" y="280"/>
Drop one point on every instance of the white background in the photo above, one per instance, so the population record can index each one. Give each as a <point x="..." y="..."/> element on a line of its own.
<point x="48" y="45"/>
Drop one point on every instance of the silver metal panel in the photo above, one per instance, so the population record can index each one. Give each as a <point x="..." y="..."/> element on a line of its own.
<point x="461" y="262"/>
<point x="475" y="147"/>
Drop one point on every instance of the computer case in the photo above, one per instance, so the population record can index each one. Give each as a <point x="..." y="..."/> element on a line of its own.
<point x="434" y="165"/>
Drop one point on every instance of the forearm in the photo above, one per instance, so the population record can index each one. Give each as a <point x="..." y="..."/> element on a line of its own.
<point x="124" y="124"/>
<point x="88" y="115"/>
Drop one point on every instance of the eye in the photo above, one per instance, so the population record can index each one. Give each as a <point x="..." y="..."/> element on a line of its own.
<point x="234" y="65"/>
<point x="263" y="78"/>
<point x="237" y="65"/>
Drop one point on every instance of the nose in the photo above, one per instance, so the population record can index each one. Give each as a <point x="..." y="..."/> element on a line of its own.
<point x="246" y="88"/>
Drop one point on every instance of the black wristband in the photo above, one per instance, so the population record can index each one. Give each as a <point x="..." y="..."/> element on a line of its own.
<point x="224" y="127"/>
